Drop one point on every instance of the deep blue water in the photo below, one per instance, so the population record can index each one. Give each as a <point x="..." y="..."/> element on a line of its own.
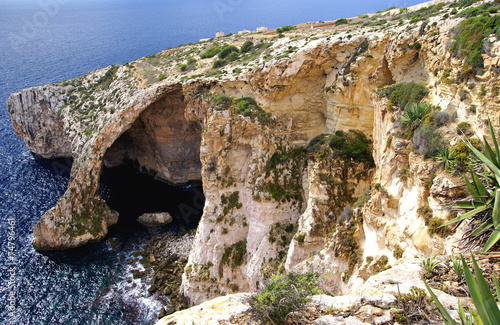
<point x="44" y="41"/>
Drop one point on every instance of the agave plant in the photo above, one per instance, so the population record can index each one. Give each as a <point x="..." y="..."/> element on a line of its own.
<point x="414" y="115"/>
<point x="484" y="203"/>
<point x="487" y="311"/>
<point x="429" y="265"/>
<point x="457" y="267"/>
<point x="445" y="156"/>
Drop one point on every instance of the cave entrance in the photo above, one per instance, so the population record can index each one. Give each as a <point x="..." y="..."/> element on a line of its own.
<point x="155" y="166"/>
<point x="132" y="193"/>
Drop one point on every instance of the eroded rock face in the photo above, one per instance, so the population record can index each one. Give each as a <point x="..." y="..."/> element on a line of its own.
<point x="161" y="142"/>
<point x="36" y="120"/>
<point x="273" y="200"/>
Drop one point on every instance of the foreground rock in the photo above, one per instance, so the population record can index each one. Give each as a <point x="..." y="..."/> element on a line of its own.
<point x="159" y="219"/>
<point x="214" y="312"/>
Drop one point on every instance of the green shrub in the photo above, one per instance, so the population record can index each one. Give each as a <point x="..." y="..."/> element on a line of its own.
<point x="404" y="174"/>
<point x="231" y="201"/>
<point x="398" y="252"/>
<point x="435" y="226"/>
<point x="403" y="94"/>
<point x="283" y="295"/>
<point x="381" y="264"/>
<point x="377" y="23"/>
<point x="189" y="65"/>
<point x="300" y="238"/>
<point x="427" y="141"/>
<point x="462" y="152"/>
<point x="462" y="3"/>
<point x="221" y="102"/>
<point x="469" y="36"/>
<point x="352" y="145"/>
<point x="341" y="21"/>
<point x="283" y="29"/>
<point x="233" y="256"/>
<point x="247" y="106"/>
<point x="226" y="50"/>
<point x="482" y="10"/>
<point x="219" y="63"/>
<point x="211" y="52"/>
<point x="247" y="46"/>
<point x="464" y="128"/>
<point x="416" y="46"/>
<point x="316" y="142"/>
<point x="233" y="56"/>
<point x="105" y="81"/>
<point x="390" y="8"/>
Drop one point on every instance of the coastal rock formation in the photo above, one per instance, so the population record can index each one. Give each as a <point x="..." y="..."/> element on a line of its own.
<point x="158" y="219"/>
<point x="35" y="119"/>
<point x="278" y="137"/>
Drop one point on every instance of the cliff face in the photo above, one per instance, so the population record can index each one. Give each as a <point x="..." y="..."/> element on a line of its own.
<point x="35" y="119"/>
<point x="274" y="198"/>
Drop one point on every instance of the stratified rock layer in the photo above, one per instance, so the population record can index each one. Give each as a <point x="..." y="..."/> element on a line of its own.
<point x="274" y="199"/>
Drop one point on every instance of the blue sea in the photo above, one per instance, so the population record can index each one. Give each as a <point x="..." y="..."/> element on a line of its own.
<point x="44" y="41"/>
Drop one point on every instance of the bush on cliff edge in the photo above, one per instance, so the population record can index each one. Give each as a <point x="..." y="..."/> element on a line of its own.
<point x="283" y="295"/>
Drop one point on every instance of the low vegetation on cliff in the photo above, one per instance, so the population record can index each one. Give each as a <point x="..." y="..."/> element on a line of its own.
<point x="304" y="166"/>
<point x="284" y="294"/>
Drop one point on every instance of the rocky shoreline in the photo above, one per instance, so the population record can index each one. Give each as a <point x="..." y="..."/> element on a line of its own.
<point x="159" y="265"/>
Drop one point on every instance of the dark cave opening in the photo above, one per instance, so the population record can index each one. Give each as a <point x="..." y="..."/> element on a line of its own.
<point x="155" y="166"/>
<point x="132" y="193"/>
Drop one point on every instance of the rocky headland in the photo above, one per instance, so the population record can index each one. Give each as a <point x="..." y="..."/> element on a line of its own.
<point x="298" y="140"/>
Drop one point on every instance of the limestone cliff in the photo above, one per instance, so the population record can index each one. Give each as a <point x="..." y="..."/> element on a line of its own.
<point x="258" y="129"/>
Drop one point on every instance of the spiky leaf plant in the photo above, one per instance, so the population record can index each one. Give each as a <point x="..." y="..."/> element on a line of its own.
<point x="487" y="313"/>
<point x="414" y="115"/>
<point x="483" y="206"/>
